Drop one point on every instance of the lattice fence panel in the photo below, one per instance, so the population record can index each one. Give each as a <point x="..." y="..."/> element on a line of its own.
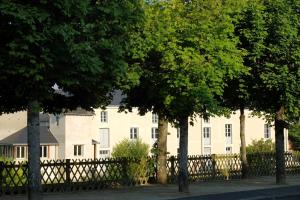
<point x="261" y="164"/>
<point x="292" y="162"/>
<point x="63" y="175"/>
<point x="13" y="177"/>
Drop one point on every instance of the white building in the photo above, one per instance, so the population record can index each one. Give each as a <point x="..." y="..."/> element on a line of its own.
<point x="81" y="134"/>
<point x="13" y="137"/>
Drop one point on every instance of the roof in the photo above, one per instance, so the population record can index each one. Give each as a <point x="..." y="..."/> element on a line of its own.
<point x="95" y="142"/>
<point x="118" y="96"/>
<point x="80" y="112"/>
<point x="20" y="137"/>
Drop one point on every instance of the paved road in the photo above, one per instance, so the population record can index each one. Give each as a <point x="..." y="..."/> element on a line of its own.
<point x="259" y="188"/>
<point x="282" y="193"/>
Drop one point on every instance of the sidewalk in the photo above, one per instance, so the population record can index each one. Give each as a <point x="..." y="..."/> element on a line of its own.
<point x="158" y="192"/>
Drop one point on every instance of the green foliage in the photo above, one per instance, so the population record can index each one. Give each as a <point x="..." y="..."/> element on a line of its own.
<point x="13" y="176"/>
<point x="294" y="136"/>
<point x="131" y="148"/>
<point x="135" y="166"/>
<point x="79" y="46"/>
<point x="269" y="31"/>
<point x="261" y="146"/>
<point x="186" y="51"/>
<point x="5" y="159"/>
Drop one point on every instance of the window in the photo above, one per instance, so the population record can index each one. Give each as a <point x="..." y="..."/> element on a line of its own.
<point x="207" y="151"/>
<point x="206" y="136"/>
<point x="228" y="133"/>
<point x="78" y="150"/>
<point x="44" y="151"/>
<point x="267" y="131"/>
<point x="104" y="138"/>
<point x="104" y="153"/>
<point x="6" y="151"/>
<point x="20" y="152"/>
<point x="134" y="133"/>
<point x="57" y="120"/>
<point x="103" y="116"/>
<point x="154" y="133"/>
<point x="154" y="118"/>
<point x="228" y="150"/>
<point x="206" y="120"/>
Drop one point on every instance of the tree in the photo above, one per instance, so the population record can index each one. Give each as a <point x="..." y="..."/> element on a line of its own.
<point x="162" y="174"/>
<point x="77" y="46"/>
<point x="236" y="94"/>
<point x="270" y="33"/>
<point x="188" y="51"/>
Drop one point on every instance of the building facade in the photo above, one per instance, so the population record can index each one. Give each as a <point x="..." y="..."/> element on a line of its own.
<point x="13" y="137"/>
<point x="87" y="135"/>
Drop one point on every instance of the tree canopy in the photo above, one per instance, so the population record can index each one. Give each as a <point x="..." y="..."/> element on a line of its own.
<point x="79" y="46"/>
<point x="188" y="49"/>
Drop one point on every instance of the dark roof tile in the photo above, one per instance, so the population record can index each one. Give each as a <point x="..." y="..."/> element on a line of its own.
<point x="20" y="137"/>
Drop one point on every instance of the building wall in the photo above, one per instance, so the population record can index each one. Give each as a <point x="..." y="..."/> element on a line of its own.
<point x="11" y="123"/>
<point x="119" y="125"/>
<point x="57" y="128"/>
<point x="82" y="129"/>
<point x="79" y="131"/>
<point x="119" y="128"/>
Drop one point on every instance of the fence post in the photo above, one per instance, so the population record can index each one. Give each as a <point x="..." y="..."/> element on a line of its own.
<point x="213" y="165"/>
<point x="1" y="176"/>
<point x="172" y="160"/>
<point x="68" y="171"/>
<point x="125" y="162"/>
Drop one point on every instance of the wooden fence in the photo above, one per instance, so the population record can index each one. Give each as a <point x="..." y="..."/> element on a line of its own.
<point x="66" y="175"/>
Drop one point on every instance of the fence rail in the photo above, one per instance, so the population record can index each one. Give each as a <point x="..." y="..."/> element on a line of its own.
<point x="65" y="175"/>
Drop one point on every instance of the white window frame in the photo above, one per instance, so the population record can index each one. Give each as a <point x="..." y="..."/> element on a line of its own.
<point x="228" y="150"/>
<point x="108" y="142"/>
<point x="20" y="152"/>
<point x="207" y="120"/>
<point x="103" y="116"/>
<point x="154" y="118"/>
<point x="76" y="151"/>
<point x="44" y="151"/>
<point x="104" y="153"/>
<point x="228" y="133"/>
<point x="205" y="148"/>
<point x="134" y="133"/>
<point x="207" y="135"/>
<point x="267" y="131"/>
<point x="154" y="133"/>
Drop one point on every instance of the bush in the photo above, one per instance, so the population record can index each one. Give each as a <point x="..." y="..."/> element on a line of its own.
<point x="13" y="176"/>
<point x="261" y="146"/>
<point x="294" y="136"/>
<point x="131" y="148"/>
<point x="261" y="157"/>
<point x="135" y="168"/>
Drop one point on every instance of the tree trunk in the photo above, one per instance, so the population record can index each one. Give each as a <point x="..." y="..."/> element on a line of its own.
<point x="183" y="156"/>
<point x="162" y="150"/>
<point x="279" y="142"/>
<point x="245" y="165"/>
<point x="33" y="140"/>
